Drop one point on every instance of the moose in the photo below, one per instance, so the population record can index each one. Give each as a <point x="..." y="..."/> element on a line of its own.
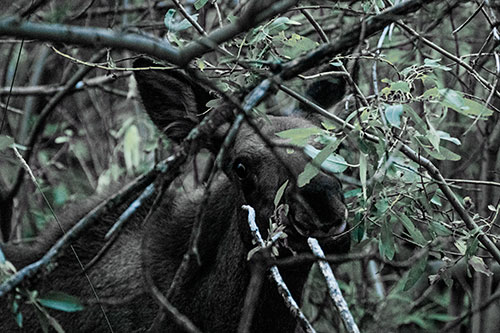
<point x="213" y="296"/>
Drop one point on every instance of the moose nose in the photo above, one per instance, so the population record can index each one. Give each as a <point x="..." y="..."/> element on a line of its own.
<point x="324" y="196"/>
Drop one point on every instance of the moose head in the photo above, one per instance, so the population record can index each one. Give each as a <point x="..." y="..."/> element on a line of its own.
<point x="252" y="172"/>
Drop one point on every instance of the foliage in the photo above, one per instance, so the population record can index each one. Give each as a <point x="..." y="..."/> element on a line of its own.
<point x="401" y="90"/>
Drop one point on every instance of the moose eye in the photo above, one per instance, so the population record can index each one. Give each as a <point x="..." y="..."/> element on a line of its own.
<point x="241" y="170"/>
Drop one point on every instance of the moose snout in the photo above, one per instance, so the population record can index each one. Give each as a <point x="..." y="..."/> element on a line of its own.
<point x="320" y="211"/>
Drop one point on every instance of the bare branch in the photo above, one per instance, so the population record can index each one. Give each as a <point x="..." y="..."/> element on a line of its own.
<point x="44" y="90"/>
<point x="275" y="274"/>
<point x="92" y="37"/>
<point x="98" y="37"/>
<point x="333" y="288"/>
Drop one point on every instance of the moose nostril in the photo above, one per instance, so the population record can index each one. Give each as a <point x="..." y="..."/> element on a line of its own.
<point x="323" y="195"/>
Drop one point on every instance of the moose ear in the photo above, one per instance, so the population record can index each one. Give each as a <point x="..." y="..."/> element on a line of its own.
<point x="173" y="100"/>
<point x="326" y="92"/>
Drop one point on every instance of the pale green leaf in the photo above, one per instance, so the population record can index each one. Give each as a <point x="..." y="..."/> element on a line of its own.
<point x="433" y="136"/>
<point x="310" y="171"/>
<point x="455" y="101"/>
<point x="477" y="109"/>
<point x="363" y="172"/>
<point x="447" y="137"/>
<point x="131" y="151"/>
<point x="393" y="114"/>
<point x="401" y="86"/>
<point x="415" y="273"/>
<point x="198" y="4"/>
<point x="174" y="26"/>
<point x="431" y="93"/>
<point x="480" y="266"/>
<point x="299" y="136"/>
<point x="414" y="232"/>
<point x="434" y="63"/>
<point x="5" y="142"/>
<point x="61" y="301"/>
<point x="279" y="194"/>
<point x="386" y="244"/>
<point x="325" y="158"/>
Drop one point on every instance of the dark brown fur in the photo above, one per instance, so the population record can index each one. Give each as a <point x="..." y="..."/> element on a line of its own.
<point x="213" y="296"/>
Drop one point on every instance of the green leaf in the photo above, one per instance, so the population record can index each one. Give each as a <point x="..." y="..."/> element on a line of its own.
<point x="434" y="63"/>
<point x="439" y="229"/>
<point x="443" y="153"/>
<point x="401" y="86"/>
<point x="294" y="45"/>
<point x="386" y="244"/>
<point x="310" y="171"/>
<point x="279" y="194"/>
<point x="325" y="158"/>
<point x="382" y="205"/>
<point x="280" y="24"/>
<point x="431" y="93"/>
<point x="199" y="4"/>
<point x="131" y="148"/>
<point x="415" y="273"/>
<point x="393" y="114"/>
<point x="5" y="142"/>
<point x="60" y="194"/>
<point x="299" y="136"/>
<point x="55" y="324"/>
<point x="447" y="137"/>
<point x="436" y="200"/>
<point x="328" y="125"/>
<point x="479" y="266"/>
<point x="80" y="150"/>
<point x="461" y="246"/>
<point x="19" y="319"/>
<point x="61" y="301"/>
<point x="420" y="125"/>
<point x="433" y="136"/>
<point x="62" y="139"/>
<point x="174" y="26"/>
<point x="363" y="171"/>
<point x="455" y="101"/>
<point x="477" y="109"/>
<point x="472" y="245"/>
<point x="358" y="233"/>
<point x="415" y="233"/>
<point x="334" y="163"/>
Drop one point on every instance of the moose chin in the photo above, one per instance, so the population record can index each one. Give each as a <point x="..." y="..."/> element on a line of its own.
<point x="213" y="294"/>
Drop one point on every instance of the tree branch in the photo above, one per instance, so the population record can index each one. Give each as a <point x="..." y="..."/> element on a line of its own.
<point x="92" y="37"/>
<point x="333" y="287"/>
<point x="98" y="37"/>
<point x="275" y="274"/>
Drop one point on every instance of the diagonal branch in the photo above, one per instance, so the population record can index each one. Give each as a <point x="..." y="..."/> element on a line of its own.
<point x="98" y="37"/>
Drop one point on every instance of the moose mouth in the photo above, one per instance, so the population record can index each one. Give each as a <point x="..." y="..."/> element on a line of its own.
<point x="307" y="229"/>
<point x="307" y="226"/>
<point x="329" y="232"/>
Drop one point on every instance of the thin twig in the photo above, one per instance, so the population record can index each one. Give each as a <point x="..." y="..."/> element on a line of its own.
<point x="451" y="56"/>
<point x="275" y="274"/>
<point x="333" y="287"/>
<point x="80" y="264"/>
